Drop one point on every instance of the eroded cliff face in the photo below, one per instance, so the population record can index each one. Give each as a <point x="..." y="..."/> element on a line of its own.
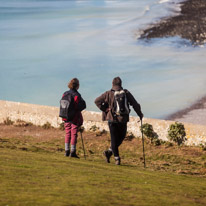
<point x="40" y="115"/>
<point x="190" y="24"/>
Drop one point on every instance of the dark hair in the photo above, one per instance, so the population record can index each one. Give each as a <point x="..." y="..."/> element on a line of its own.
<point x="73" y="84"/>
<point x="117" y="81"/>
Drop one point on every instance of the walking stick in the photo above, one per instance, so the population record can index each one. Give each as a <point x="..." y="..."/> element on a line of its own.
<point x="143" y="145"/>
<point x="82" y="143"/>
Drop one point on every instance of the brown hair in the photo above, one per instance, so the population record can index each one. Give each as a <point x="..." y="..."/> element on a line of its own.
<point x="73" y="84"/>
<point x="117" y="81"/>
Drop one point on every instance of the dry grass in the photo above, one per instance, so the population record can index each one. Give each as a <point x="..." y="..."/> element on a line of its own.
<point x="175" y="159"/>
<point x="34" y="171"/>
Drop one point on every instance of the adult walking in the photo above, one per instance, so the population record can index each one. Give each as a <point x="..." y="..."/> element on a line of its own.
<point x="73" y="107"/>
<point x="114" y="105"/>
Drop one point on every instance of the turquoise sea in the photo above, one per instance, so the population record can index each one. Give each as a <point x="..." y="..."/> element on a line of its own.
<point x="45" y="43"/>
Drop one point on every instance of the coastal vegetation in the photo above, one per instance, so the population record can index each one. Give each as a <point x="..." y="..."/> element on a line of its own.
<point x="47" y="125"/>
<point x="34" y="171"/>
<point x="148" y="131"/>
<point x="177" y="133"/>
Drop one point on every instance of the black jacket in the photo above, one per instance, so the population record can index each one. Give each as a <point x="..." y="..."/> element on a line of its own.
<point x="81" y="103"/>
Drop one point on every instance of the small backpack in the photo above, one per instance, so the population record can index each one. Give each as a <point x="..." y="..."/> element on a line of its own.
<point x="121" y="104"/>
<point x="67" y="110"/>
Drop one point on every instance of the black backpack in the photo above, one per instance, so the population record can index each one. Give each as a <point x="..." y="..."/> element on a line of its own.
<point x="121" y="106"/>
<point x="67" y="110"/>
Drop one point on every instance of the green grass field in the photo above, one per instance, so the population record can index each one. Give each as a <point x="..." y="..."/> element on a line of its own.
<point x="40" y="178"/>
<point x="35" y="172"/>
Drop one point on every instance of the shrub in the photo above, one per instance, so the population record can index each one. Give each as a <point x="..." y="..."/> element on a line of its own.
<point x="129" y="136"/>
<point x="203" y="146"/>
<point x="176" y="133"/>
<point x="97" y="130"/>
<point x="100" y="133"/>
<point x="148" y="131"/>
<point x="22" y="123"/>
<point x="61" y="126"/>
<point x="157" y="142"/>
<point x="8" y="121"/>
<point x="94" y="128"/>
<point x="47" y="125"/>
<point x="168" y="144"/>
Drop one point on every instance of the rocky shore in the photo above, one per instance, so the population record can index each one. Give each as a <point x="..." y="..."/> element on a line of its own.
<point x="190" y="24"/>
<point x="195" y="114"/>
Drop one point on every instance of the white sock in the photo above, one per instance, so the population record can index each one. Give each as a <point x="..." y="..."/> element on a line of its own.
<point x="110" y="149"/>
<point x="73" y="148"/>
<point x="66" y="146"/>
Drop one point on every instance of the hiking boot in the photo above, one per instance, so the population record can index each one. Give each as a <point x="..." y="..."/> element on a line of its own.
<point x="117" y="161"/>
<point x="67" y="152"/>
<point x="73" y="154"/>
<point x="107" y="154"/>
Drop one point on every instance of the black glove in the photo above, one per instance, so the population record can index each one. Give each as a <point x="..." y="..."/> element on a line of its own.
<point x="141" y="116"/>
<point x="81" y="129"/>
<point x="104" y="107"/>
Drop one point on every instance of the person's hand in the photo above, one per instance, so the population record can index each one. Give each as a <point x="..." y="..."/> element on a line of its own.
<point x="81" y="129"/>
<point x="141" y="116"/>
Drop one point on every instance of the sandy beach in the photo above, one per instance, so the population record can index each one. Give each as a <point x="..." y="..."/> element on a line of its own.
<point x="190" y="24"/>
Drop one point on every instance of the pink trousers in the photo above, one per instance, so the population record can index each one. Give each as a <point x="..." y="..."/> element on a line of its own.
<point x="71" y="133"/>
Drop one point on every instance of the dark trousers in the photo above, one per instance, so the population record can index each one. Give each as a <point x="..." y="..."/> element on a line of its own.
<point x="117" y="132"/>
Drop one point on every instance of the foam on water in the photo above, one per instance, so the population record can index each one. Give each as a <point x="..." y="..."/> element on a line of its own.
<point x="163" y="1"/>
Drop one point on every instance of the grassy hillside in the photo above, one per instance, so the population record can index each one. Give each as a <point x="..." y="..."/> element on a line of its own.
<point x="34" y="171"/>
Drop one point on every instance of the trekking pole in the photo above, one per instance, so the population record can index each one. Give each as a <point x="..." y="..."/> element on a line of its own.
<point x="81" y="130"/>
<point x="143" y="145"/>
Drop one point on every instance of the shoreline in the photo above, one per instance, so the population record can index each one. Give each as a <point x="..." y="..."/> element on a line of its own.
<point x="190" y="24"/>
<point x="40" y="115"/>
<point x="195" y="114"/>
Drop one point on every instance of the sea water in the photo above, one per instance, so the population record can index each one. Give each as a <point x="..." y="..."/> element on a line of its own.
<point x="45" y="43"/>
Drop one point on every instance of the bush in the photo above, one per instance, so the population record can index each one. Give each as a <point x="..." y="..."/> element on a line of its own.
<point x="168" y="144"/>
<point x="130" y="136"/>
<point x="203" y="146"/>
<point x="176" y="133"/>
<point x="47" y="125"/>
<point x="7" y="121"/>
<point x="157" y="142"/>
<point x="22" y="123"/>
<point x="94" y="128"/>
<point x="97" y="130"/>
<point x="100" y="133"/>
<point x="148" y="131"/>
<point x="61" y="126"/>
